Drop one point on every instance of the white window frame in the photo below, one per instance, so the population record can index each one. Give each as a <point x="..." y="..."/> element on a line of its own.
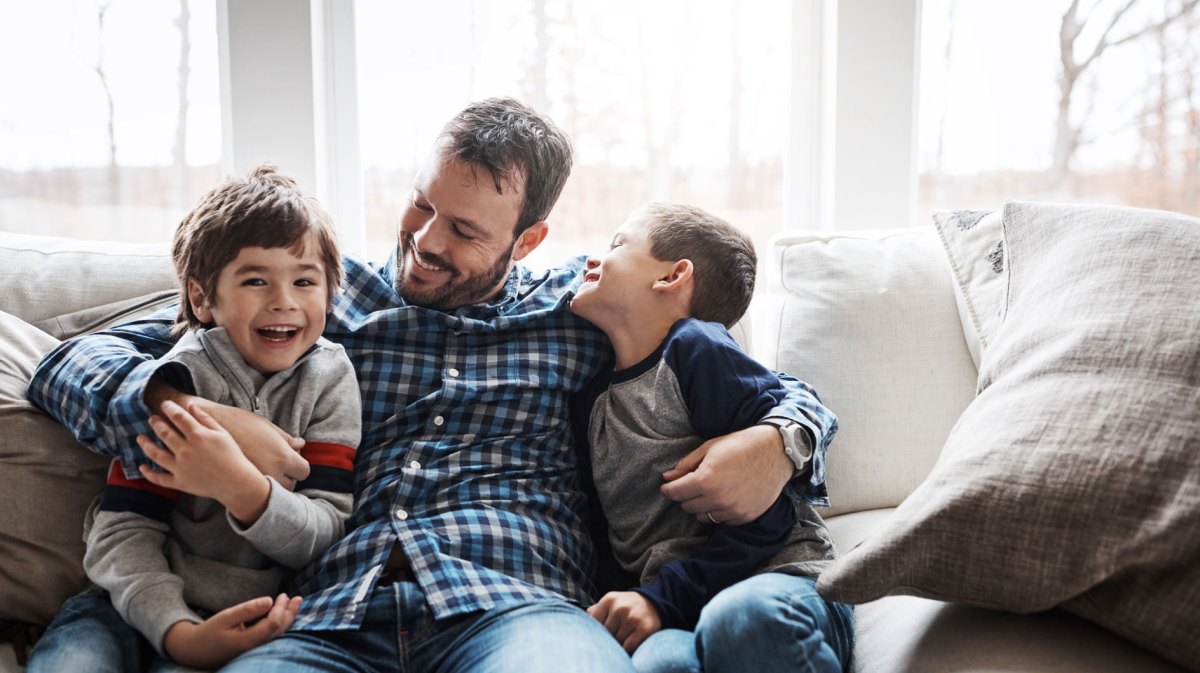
<point x="289" y="95"/>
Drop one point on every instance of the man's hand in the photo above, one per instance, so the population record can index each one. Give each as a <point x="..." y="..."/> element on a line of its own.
<point x="212" y="643"/>
<point x="731" y="479"/>
<point x="629" y="616"/>
<point x="201" y="458"/>
<point x="273" y="451"/>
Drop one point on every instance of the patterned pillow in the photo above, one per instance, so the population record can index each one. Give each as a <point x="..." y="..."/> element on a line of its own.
<point x="974" y="243"/>
<point x="1073" y="479"/>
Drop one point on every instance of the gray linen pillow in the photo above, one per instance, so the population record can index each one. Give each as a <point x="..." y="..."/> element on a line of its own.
<point x="47" y="481"/>
<point x="1073" y="479"/>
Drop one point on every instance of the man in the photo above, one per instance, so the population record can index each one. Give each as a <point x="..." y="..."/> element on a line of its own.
<point x="467" y="549"/>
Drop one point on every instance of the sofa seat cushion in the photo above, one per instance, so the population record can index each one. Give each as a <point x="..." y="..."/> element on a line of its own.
<point x="906" y="634"/>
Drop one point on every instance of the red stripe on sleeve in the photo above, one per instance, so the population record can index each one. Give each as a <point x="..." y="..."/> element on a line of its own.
<point x="330" y="455"/>
<point x="116" y="477"/>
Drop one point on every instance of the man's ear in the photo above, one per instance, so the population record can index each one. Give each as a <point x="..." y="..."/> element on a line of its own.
<point x="530" y="239"/>
<point x="678" y="278"/>
<point x="198" y="301"/>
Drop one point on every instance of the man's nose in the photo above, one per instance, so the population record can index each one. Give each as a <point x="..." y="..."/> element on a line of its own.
<point x="430" y="235"/>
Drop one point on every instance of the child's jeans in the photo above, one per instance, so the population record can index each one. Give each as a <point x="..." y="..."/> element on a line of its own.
<point x="760" y="624"/>
<point x="88" y="634"/>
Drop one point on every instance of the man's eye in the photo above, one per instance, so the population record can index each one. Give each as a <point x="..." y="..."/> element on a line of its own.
<point x="458" y="231"/>
<point x="422" y="206"/>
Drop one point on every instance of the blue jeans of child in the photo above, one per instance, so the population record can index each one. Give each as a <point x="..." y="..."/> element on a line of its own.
<point x="399" y="634"/>
<point x="769" y="622"/>
<point x="88" y="634"/>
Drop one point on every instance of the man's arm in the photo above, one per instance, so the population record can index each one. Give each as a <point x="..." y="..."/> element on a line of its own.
<point x="96" y="385"/>
<point x="270" y="449"/>
<point x="734" y="478"/>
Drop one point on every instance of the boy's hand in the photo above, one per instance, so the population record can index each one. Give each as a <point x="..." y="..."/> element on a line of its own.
<point x="201" y="458"/>
<point x="732" y="479"/>
<point x="214" y="642"/>
<point x="629" y="616"/>
<point x="273" y="451"/>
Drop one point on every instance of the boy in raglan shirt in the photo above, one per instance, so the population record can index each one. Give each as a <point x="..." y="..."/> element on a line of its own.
<point x="673" y="280"/>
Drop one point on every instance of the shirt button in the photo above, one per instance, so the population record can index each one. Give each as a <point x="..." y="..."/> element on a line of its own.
<point x="415" y="465"/>
<point x="453" y="372"/>
<point x="438" y="420"/>
<point x="401" y="514"/>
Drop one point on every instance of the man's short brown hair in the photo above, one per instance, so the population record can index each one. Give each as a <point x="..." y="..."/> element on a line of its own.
<point x="264" y="210"/>
<point x="722" y="256"/>
<point x="518" y="147"/>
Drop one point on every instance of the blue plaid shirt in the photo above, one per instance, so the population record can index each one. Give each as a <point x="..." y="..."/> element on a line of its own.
<point x="466" y="457"/>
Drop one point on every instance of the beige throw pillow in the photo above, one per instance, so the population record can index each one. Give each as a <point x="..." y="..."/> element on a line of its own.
<point x="1073" y="479"/>
<point x="47" y="481"/>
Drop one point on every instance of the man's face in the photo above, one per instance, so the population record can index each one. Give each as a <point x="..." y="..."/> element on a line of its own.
<point x="456" y="244"/>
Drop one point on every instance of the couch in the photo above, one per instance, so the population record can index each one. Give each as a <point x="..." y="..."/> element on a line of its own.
<point x="887" y="325"/>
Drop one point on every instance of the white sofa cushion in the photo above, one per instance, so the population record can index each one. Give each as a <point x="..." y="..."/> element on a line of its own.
<point x="45" y="276"/>
<point x="869" y="319"/>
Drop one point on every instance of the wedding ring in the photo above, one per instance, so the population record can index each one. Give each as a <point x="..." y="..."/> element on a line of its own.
<point x="709" y="515"/>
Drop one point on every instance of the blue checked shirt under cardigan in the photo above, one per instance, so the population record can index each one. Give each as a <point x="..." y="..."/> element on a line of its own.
<point x="466" y="457"/>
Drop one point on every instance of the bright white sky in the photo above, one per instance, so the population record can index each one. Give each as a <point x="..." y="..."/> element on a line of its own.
<point x="1000" y="113"/>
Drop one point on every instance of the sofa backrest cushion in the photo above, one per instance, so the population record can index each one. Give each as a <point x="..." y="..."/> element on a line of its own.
<point x="46" y="276"/>
<point x="869" y="319"/>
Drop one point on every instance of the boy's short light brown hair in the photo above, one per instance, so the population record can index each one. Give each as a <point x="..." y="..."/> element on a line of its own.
<point x="723" y="259"/>
<point x="265" y="210"/>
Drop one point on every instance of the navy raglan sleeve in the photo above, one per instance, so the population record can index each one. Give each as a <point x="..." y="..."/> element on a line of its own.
<point x="725" y="391"/>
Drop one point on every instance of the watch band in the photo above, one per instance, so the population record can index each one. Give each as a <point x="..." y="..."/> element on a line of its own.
<point x="796" y="444"/>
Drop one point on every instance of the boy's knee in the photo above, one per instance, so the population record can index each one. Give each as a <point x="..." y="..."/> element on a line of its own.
<point x="758" y="607"/>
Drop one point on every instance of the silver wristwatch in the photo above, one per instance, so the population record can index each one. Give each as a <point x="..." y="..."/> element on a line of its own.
<point x="796" y="443"/>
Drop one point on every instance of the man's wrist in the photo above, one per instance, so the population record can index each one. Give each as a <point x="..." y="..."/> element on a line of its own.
<point x="797" y="445"/>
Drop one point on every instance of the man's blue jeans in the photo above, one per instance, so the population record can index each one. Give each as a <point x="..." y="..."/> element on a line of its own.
<point x="399" y="634"/>
<point x="88" y="634"/>
<point x="770" y="622"/>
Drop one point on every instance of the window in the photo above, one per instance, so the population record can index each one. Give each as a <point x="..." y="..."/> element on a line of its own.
<point x="665" y="100"/>
<point x="996" y="125"/>
<point x="111" y="120"/>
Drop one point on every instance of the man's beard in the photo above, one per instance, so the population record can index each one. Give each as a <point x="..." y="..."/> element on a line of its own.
<point x="458" y="290"/>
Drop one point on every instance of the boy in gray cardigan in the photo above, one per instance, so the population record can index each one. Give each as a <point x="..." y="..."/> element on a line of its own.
<point x="184" y="558"/>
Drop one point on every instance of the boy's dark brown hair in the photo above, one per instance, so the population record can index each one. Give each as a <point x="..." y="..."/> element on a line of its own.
<point x="723" y="259"/>
<point x="265" y="210"/>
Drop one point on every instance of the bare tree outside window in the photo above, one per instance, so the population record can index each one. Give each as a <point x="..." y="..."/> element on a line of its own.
<point x="1074" y="100"/>
<point x="665" y="100"/>
<point x="116" y="132"/>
